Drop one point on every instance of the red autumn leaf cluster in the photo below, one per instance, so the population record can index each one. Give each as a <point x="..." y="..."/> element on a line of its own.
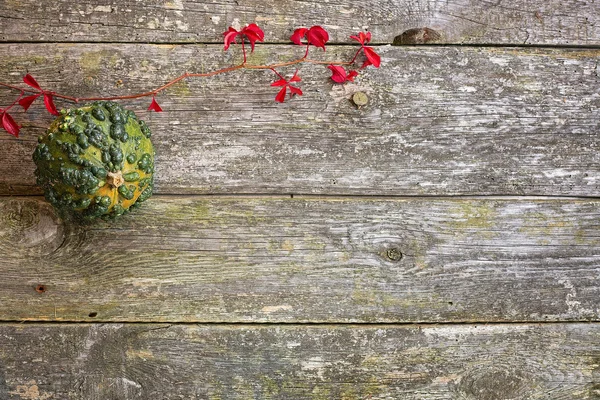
<point x="285" y="84"/>
<point x="372" y="57"/>
<point x="251" y="32"/>
<point x="315" y="35"/>
<point x="48" y="100"/>
<point x="8" y="123"/>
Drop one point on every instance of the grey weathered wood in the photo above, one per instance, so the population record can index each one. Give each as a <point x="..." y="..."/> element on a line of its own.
<point x="457" y="21"/>
<point x="113" y="361"/>
<point x="238" y="259"/>
<point x="439" y="121"/>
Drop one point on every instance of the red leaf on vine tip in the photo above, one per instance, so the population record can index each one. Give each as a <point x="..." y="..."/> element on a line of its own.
<point x="317" y="36"/>
<point x="9" y="125"/>
<point x="362" y="38"/>
<point x="30" y="80"/>
<point x="298" y="35"/>
<point x="154" y="106"/>
<point x="49" y="102"/>
<point x="25" y="102"/>
<point x="253" y="33"/>
<point x="338" y="74"/>
<point x="372" y="57"/>
<point x="229" y="37"/>
<point x="281" y="95"/>
<point x="281" y="82"/>
<point x="286" y="84"/>
<point x="295" y="90"/>
<point x="295" y="78"/>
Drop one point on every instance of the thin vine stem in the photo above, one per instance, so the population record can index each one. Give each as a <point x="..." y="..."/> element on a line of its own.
<point x="154" y="92"/>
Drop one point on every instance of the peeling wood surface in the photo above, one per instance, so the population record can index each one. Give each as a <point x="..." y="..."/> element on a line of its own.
<point x="237" y="259"/>
<point x="439" y="120"/>
<point x="556" y="22"/>
<point x="478" y="362"/>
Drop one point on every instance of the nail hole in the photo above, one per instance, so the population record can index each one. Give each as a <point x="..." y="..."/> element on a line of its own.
<point x="40" y="288"/>
<point x="93" y="314"/>
<point x="450" y="303"/>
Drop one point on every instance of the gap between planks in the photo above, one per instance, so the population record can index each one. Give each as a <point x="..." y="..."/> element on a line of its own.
<point x="259" y="324"/>
<point x="301" y="196"/>
<point x="331" y="44"/>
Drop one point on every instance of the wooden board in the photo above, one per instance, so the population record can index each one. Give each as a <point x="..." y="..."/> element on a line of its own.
<point x="498" y="362"/>
<point x="237" y="259"/>
<point x="556" y="22"/>
<point x="440" y="121"/>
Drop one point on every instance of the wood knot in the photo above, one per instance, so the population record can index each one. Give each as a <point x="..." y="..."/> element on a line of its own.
<point x="393" y="254"/>
<point x="499" y="382"/>
<point x="29" y="227"/>
<point x="417" y="36"/>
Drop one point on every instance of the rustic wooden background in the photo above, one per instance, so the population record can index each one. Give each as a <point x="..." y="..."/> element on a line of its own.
<point x="441" y="242"/>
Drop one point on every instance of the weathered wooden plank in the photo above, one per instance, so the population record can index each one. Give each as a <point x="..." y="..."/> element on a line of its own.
<point x="98" y="362"/>
<point x="440" y="121"/>
<point x="457" y="21"/>
<point x="237" y="259"/>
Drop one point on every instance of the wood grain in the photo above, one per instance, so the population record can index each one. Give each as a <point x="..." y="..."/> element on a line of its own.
<point x="113" y="361"/>
<point x="556" y="22"/>
<point x="237" y="259"/>
<point x="439" y="121"/>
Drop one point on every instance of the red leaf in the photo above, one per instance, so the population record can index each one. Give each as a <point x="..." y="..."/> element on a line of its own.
<point x="253" y="33"/>
<point x="317" y="36"/>
<point x="281" y="82"/>
<point x="298" y="35"/>
<point x="352" y="75"/>
<point x="50" y="104"/>
<point x="281" y="95"/>
<point x="373" y="57"/>
<point x="362" y="38"/>
<point x="338" y="74"/>
<point x="25" y="102"/>
<point x="9" y="125"/>
<point x="295" y="78"/>
<point x="295" y="90"/>
<point x="154" y="106"/>
<point x="30" y="80"/>
<point x="229" y="37"/>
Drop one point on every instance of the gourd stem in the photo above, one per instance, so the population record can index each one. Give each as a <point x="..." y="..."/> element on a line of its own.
<point x="115" y="179"/>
